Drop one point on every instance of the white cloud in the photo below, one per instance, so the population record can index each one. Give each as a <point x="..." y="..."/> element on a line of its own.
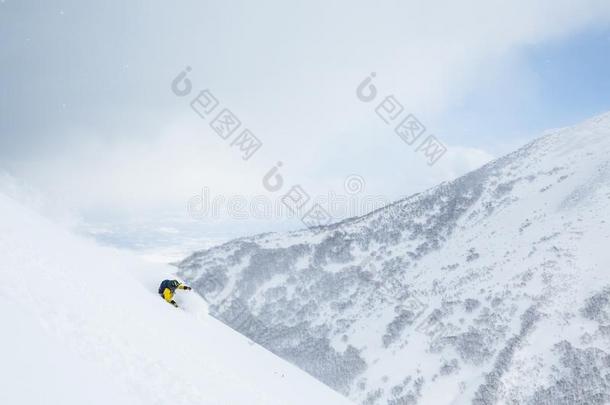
<point x="289" y="71"/>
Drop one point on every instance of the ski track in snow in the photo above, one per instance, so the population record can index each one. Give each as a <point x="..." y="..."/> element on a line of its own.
<point x="84" y="324"/>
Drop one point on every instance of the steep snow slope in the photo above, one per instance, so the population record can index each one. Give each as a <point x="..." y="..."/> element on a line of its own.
<point x="84" y="325"/>
<point x="493" y="288"/>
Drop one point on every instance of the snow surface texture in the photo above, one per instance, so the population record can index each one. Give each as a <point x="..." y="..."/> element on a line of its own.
<point x="84" y="325"/>
<point x="493" y="288"/>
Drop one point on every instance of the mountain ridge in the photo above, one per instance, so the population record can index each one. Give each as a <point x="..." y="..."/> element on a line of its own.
<point x="460" y="277"/>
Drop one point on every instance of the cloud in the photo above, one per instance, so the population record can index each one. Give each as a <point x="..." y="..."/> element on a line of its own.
<point x="92" y="120"/>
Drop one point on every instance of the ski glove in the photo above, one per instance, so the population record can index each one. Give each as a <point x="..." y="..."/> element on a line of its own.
<point x="187" y="288"/>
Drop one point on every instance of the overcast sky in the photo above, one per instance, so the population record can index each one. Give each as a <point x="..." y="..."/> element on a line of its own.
<point x="88" y="117"/>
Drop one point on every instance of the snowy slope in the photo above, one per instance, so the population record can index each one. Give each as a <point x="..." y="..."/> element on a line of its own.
<point x="493" y="288"/>
<point x="84" y="325"/>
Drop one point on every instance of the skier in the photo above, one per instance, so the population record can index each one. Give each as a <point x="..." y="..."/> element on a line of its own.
<point x="167" y="289"/>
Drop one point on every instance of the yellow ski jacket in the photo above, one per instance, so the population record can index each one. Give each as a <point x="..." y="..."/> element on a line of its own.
<point x="168" y="294"/>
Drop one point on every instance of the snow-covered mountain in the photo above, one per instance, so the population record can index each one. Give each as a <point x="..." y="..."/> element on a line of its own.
<point x="493" y="288"/>
<point x="84" y="325"/>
